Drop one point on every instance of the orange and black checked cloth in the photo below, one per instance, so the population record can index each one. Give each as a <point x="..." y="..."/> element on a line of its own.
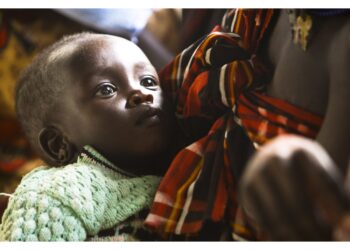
<point x="220" y="78"/>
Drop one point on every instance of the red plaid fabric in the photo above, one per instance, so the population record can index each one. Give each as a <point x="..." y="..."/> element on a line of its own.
<point x="219" y="78"/>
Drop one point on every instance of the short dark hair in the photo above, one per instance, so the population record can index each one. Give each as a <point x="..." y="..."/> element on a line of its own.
<point x="38" y="89"/>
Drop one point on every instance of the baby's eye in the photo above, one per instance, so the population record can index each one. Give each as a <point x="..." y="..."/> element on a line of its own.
<point x="106" y="90"/>
<point x="149" y="83"/>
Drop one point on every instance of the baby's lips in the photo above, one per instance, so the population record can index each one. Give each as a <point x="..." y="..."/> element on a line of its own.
<point x="147" y="113"/>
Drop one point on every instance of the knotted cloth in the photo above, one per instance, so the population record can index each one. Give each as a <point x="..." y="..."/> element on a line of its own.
<point x="221" y="78"/>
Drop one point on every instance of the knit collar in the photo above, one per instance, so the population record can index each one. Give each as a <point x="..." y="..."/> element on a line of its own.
<point x="90" y="155"/>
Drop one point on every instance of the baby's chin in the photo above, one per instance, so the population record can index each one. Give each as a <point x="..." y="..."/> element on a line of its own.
<point x="158" y="144"/>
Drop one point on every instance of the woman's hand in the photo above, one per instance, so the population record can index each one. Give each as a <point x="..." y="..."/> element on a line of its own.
<point x="294" y="191"/>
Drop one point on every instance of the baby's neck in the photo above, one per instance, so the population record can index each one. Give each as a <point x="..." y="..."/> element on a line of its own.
<point x="155" y="164"/>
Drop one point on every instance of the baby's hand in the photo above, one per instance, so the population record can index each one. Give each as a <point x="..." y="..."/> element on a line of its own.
<point x="294" y="191"/>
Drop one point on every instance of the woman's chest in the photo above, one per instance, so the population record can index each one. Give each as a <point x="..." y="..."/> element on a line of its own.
<point x="302" y="77"/>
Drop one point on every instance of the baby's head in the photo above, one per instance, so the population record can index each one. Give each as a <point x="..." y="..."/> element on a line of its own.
<point x="98" y="90"/>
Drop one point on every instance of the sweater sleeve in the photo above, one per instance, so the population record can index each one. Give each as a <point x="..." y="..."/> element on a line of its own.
<point x="35" y="217"/>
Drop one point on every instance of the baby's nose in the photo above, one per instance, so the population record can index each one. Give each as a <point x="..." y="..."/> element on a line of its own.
<point x="137" y="97"/>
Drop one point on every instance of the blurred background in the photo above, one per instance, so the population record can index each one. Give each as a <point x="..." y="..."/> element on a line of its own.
<point x="161" y="33"/>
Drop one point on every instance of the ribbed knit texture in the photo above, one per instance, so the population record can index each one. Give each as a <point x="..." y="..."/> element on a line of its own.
<point x="73" y="202"/>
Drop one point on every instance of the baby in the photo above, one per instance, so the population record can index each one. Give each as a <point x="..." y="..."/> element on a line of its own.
<point x="226" y="105"/>
<point x="85" y="99"/>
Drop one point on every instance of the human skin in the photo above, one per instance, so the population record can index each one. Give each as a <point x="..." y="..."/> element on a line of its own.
<point x="317" y="80"/>
<point x="113" y="102"/>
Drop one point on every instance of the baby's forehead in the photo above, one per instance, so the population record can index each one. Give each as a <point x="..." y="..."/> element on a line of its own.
<point x="106" y="50"/>
<point x="97" y="54"/>
<point x="88" y="46"/>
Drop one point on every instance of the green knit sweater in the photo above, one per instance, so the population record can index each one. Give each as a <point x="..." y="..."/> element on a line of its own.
<point x="74" y="202"/>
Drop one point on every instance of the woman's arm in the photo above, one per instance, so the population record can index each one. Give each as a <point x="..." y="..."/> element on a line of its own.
<point x="334" y="135"/>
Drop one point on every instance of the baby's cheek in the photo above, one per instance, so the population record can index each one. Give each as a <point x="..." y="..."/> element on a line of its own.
<point x="158" y="99"/>
<point x="120" y="104"/>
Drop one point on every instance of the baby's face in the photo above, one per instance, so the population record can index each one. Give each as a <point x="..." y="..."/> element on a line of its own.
<point x="114" y="102"/>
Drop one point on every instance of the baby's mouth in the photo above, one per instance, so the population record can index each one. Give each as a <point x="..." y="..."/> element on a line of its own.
<point x="149" y="117"/>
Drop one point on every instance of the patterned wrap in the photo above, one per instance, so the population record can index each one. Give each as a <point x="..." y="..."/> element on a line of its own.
<point x="221" y="78"/>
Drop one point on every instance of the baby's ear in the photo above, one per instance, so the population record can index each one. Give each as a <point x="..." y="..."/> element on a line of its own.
<point x="57" y="149"/>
